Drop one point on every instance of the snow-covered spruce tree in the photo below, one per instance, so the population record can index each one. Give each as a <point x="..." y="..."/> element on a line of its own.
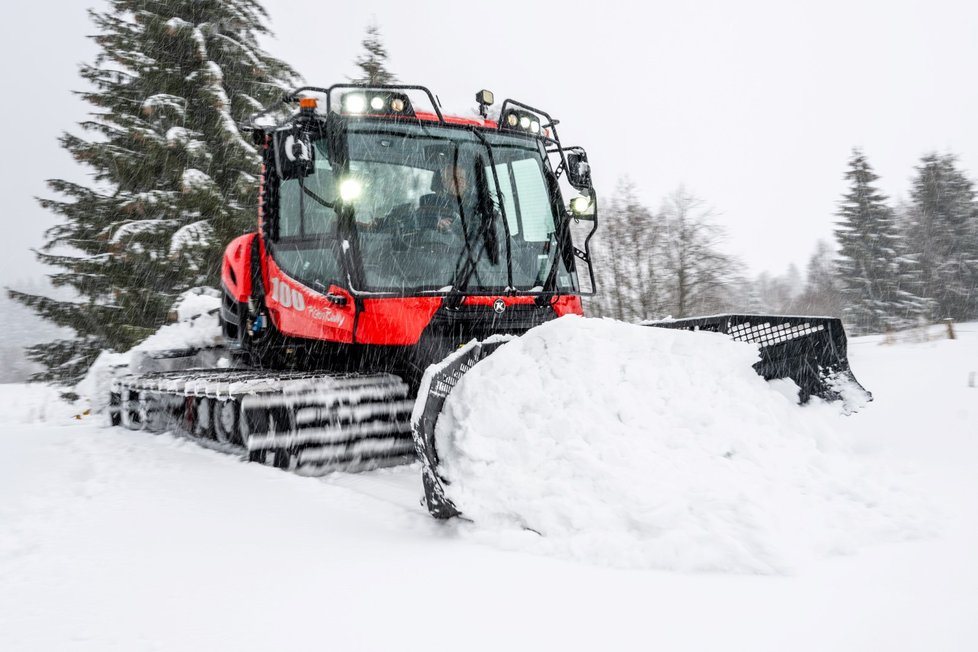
<point x="373" y="62"/>
<point x="942" y="230"/>
<point x="173" y="180"/>
<point x="876" y="279"/>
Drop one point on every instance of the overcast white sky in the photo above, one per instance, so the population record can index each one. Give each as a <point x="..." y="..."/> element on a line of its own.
<point x="754" y="105"/>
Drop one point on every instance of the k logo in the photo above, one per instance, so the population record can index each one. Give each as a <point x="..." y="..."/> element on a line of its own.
<point x="499" y="306"/>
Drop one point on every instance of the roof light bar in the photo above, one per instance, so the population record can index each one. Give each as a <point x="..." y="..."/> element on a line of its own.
<point x="523" y="121"/>
<point x="376" y="103"/>
<point x="354" y="103"/>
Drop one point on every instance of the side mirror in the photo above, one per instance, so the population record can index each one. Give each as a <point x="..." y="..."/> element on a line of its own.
<point x="578" y="169"/>
<point x="584" y="206"/>
<point x="294" y="154"/>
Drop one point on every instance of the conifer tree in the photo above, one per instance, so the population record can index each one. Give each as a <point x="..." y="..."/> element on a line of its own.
<point x="173" y="179"/>
<point x="875" y="278"/>
<point x="943" y="233"/>
<point x="373" y="62"/>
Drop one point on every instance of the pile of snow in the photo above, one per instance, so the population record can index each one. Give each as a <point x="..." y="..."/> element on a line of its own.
<point x="193" y="305"/>
<point x="640" y="447"/>
<point x="35" y="403"/>
<point x="197" y="327"/>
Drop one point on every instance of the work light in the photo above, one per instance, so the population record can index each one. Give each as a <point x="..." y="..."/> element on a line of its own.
<point x="354" y="103"/>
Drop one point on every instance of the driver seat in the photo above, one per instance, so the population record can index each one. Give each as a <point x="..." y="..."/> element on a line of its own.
<point x="434" y="207"/>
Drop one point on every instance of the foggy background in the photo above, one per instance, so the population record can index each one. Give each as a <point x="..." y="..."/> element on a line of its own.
<point x="755" y="106"/>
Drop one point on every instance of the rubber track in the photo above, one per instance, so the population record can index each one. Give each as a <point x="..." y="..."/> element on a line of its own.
<point x="312" y="423"/>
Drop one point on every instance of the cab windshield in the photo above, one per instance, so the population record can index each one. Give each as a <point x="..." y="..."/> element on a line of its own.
<point x="435" y="208"/>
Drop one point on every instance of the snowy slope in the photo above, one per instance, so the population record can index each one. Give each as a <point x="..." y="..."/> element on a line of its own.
<point x="112" y="540"/>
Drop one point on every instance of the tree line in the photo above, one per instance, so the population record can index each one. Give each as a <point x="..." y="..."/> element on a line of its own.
<point x="890" y="267"/>
<point x="173" y="180"/>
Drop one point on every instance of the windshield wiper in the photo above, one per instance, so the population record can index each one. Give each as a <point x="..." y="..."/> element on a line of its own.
<point x="555" y="247"/>
<point x="317" y="197"/>
<point x="486" y="233"/>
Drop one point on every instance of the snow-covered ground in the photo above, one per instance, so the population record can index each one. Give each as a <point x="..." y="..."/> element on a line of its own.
<point x="113" y="540"/>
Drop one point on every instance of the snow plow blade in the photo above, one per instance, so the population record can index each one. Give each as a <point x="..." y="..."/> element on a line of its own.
<point x="811" y="351"/>
<point x="438" y="381"/>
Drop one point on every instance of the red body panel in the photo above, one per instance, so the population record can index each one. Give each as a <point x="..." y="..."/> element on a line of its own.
<point x="568" y="305"/>
<point x="302" y="312"/>
<point x="299" y="311"/>
<point x="236" y="267"/>
<point x="565" y="305"/>
<point x="396" y="321"/>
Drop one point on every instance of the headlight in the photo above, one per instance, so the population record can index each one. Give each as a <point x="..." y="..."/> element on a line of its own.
<point x="579" y="205"/>
<point x="350" y="189"/>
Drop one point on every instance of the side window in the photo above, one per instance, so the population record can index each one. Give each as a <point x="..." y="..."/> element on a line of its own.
<point x="319" y="219"/>
<point x="288" y="209"/>
<point x="315" y="265"/>
<point x="307" y="249"/>
<point x="534" y="200"/>
<point x="302" y="213"/>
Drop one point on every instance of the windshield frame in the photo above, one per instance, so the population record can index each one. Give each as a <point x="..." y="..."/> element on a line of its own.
<point x="336" y="134"/>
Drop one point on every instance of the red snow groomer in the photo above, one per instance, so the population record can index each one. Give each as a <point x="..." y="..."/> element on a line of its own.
<point x="390" y="235"/>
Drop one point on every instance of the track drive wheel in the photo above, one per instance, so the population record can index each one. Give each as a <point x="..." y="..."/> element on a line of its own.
<point x="282" y="459"/>
<point x="129" y="410"/>
<point x="153" y="413"/>
<point x="227" y="422"/>
<point x="115" y="409"/>
<point x="280" y="419"/>
<point x="204" y="422"/>
<point x="252" y="422"/>
<point x="262" y="421"/>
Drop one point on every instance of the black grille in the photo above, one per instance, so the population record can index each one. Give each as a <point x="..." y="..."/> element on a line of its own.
<point x="767" y="334"/>
<point x="479" y="322"/>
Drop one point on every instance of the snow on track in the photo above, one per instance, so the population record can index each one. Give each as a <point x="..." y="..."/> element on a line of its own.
<point x="639" y="447"/>
<point x="197" y="326"/>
